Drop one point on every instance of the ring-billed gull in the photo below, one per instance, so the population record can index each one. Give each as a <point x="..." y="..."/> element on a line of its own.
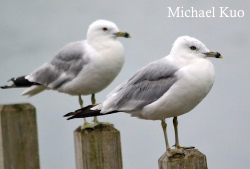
<point x="80" y="68"/>
<point x="165" y="88"/>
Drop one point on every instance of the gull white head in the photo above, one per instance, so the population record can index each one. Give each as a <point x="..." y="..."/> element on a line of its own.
<point x="103" y="30"/>
<point x="192" y="47"/>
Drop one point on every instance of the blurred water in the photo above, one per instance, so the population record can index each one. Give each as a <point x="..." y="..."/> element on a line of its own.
<point x="31" y="32"/>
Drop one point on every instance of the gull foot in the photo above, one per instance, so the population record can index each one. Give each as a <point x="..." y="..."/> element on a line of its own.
<point x="178" y="151"/>
<point x="183" y="148"/>
<point x="94" y="125"/>
<point x="171" y="153"/>
<point x="102" y="123"/>
<point x="97" y="123"/>
<point x="187" y="148"/>
<point x="87" y="126"/>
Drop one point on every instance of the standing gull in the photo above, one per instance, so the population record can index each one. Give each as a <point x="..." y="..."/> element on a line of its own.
<point x="165" y="88"/>
<point x="80" y="68"/>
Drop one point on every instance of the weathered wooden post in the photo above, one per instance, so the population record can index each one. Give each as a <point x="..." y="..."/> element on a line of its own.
<point x="18" y="137"/>
<point x="193" y="159"/>
<point x="98" y="148"/>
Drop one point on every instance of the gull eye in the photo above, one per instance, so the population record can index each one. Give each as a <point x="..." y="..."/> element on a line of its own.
<point x="193" y="48"/>
<point x="104" y="29"/>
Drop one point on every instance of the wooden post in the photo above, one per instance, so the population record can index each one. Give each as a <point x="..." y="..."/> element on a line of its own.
<point x="18" y="137"/>
<point x="98" y="148"/>
<point x="193" y="159"/>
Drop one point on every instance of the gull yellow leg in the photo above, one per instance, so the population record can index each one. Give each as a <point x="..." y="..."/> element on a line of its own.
<point x="85" y="123"/>
<point x="170" y="152"/>
<point x="80" y="101"/>
<point x="164" y="127"/>
<point x="96" y="122"/>
<point x="93" y="100"/>
<point x="175" y="122"/>
<point x="177" y="144"/>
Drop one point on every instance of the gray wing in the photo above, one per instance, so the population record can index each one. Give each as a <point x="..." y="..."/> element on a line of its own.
<point x="64" y="67"/>
<point x="145" y="87"/>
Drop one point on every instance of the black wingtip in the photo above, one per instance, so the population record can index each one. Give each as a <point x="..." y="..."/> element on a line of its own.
<point x="7" y="87"/>
<point x="23" y="82"/>
<point x="86" y="112"/>
<point x="19" y="82"/>
<point x="69" y="114"/>
<point x="70" y="118"/>
<point x="10" y="86"/>
<point x="80" y="113"/>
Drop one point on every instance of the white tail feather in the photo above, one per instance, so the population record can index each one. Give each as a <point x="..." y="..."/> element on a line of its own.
<point x="33" y="90"/>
